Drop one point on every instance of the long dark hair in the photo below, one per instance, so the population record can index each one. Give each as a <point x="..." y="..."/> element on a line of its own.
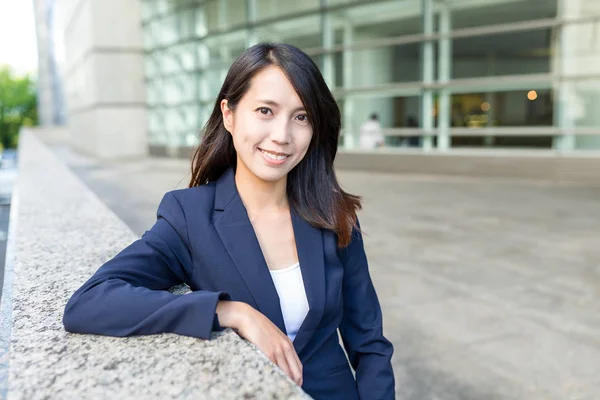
<point x="312" y="187"/>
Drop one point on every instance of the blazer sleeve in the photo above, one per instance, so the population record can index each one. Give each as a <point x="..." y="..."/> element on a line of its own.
<point x="361" y="328"/>
<point x="128" y="294"/>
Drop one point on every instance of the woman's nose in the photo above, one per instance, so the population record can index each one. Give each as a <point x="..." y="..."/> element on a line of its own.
<point x="281" y="133"/>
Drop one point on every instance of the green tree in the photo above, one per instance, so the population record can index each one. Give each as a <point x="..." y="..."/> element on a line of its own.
<point x="18" y="106"/>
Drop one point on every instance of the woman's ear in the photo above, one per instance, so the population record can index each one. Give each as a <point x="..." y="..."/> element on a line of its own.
<point x="227" y="115"/>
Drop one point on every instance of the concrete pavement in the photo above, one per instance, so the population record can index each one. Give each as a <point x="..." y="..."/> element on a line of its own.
<point x="490" y="289"/>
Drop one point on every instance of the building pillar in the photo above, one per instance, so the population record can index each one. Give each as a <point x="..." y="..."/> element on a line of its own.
<point x="490" y="140"/>
<point x="350" y="132"/>
<point x="51" y="107"/>
<point x="444" y="75"/>
<point x="327" y="42"/>
<point x="104" y="78"/>
<point x="251" y="11"/>
<point x="427" y="69"/>
<point x="577" y="55"/>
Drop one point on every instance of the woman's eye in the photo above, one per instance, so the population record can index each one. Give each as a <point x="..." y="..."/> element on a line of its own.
<point x="302" y="118"/>
<point x="264" y="110"/>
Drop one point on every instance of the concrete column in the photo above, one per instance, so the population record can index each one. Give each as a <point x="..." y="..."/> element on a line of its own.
<point x="222" y="14"/>
<point x="489" y="141"/>
<point x="203" y="57"/>
<point x="427" y="72"/>
<point x="51" y="107"/>
<point x="328" y="70"/>
<point x="578" y="55"/>
<point x="371" y="67"/>
<point x="351" y="135"/>
<point x="224" y="51"/>
<point x="104" y="77"/>
<point x="251" y="10"/>
<point x="444" y="75"/>
<point x="327" y="40"/>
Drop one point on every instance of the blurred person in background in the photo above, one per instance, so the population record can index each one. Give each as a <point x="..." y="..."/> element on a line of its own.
<point x="413" y="141"/>
<point x="264" y="236"/>
<point x="370" y="133"/>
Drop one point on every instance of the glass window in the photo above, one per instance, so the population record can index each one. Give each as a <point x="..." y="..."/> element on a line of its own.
<point x="148" y="9"/>
<point x="153" y="90"/>
<point x="376" y="21"/>
<point x="378" y="66"/>
<point x="213" y="81"/>
<point x="150" y="66"/>
<point x="503" y="141"/>
<point x="392" y="111"/>
<point x="397" y="115"/>
<point x="215" y="16"/>
<point x="212" y="53"/>
<point x="149" y="41"/>
<point x="515" y="53"/>
<point x="579" y="103"/>
<point x="266" y="9"/>
<point x="223" y="14"/>
<point x="178" y="58"/>
<point x="161" y="6"/>
<point x="503" y="109"/>
<point x="525" y="109"/>
<point x="302" y="32"/>
<point x="186" y="24"/>
<point x="156" y="126"/>
<point x="166" y="62"/>
<point x="236" y="14"/>
<point x="466" y="14"/>
<point x="333" y="3"/>
<point x="172" y="91"/>
<point x="165" y="30"/>
<point x="579" y="93"/>
<point x="318" y="60"/>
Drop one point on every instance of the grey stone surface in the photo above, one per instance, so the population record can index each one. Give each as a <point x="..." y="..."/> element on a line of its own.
<point x="61" y="234"/>
<point x="489" y="288"/>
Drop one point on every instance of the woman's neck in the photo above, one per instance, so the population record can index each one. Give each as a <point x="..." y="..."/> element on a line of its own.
<point x="259" y="196"/>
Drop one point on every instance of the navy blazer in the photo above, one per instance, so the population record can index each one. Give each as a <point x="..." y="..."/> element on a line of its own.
<point x="203" y="237"/>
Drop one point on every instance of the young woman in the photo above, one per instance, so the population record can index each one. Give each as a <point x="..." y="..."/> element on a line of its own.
<point x="264" y="236"/>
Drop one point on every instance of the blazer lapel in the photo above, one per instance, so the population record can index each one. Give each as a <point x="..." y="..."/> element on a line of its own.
<point x="309" y="244"/>
<point x="239" y="238"/>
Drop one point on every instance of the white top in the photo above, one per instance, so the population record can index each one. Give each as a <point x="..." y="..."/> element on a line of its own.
<point x="292" y="297"/>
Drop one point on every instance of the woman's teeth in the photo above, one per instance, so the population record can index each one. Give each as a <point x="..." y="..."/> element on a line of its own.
<point x="273" y="156"/>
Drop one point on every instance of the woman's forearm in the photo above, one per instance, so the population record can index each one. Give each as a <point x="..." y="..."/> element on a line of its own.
<point x="232" y="314"/>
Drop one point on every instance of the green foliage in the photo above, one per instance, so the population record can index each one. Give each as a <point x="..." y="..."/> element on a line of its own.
<point x="18" y="106"/>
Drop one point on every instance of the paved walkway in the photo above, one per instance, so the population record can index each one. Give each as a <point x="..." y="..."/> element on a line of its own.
<point x="490" y="289"/>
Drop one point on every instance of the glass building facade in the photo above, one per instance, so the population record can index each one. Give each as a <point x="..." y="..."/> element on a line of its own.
<point x="440" y="74"/>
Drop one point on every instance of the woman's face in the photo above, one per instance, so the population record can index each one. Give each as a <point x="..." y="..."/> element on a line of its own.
<point x="269" y="126"/>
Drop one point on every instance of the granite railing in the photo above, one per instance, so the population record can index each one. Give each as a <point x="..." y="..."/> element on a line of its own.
<point x="59" y="234"/>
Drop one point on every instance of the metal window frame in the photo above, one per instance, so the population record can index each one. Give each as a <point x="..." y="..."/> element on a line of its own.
<point x="516" y="131"/>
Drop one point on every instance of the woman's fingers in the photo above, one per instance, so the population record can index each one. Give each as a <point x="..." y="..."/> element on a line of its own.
<point x="258" y="329"/>
<point x="281" y="361"/>
<point x="295" y="364"/>
<point x="287" y="359"/>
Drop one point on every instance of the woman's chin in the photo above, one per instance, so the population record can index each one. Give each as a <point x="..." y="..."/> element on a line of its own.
<point x="269" y="173"/>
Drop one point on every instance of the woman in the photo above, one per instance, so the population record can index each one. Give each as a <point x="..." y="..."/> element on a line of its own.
<point x="264" y="236"/>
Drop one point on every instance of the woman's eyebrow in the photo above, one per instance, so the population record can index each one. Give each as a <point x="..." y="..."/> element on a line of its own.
<point x="276" y="104"/>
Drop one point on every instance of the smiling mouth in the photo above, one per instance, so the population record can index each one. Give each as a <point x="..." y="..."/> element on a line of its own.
<point x="274" y="155"/>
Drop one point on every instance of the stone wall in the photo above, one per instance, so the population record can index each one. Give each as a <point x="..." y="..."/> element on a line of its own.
<point x="60" y="233"/>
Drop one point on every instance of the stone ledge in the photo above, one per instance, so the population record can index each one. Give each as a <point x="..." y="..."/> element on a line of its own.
<point x="60" y="233"/>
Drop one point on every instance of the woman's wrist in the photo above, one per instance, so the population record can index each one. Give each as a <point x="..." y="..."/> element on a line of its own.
<point x="232" y="314"/>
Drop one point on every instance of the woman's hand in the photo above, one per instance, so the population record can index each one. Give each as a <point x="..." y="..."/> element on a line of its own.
<point x="259" y="330"/>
